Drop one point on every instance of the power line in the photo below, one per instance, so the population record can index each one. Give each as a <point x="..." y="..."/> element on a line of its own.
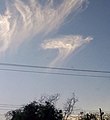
<point x="55" y="68"/>
<point x="55" y="73"/>
<point x="9" y="107"/>
<point x="6" y="109"/>
<point x="10" y="104"/>
<point x="2" y="106"/>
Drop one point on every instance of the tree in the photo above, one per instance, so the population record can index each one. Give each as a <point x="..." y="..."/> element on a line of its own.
<point x="51" y="99"/>
<point x="36" y="111"/>
<point x="106" y="116"/>
<point x="44" y="109"/>
<point x="69" y="106"/>
<point x="88" y="116"/>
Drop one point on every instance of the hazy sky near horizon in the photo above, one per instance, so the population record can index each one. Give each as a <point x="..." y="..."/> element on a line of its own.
<point x="59" y="33"/>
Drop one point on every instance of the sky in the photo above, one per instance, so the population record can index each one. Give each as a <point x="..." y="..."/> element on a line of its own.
<point x="55" y="33"/>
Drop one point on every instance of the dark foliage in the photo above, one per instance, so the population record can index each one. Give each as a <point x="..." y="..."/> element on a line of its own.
<point x="88" y="117"/>
<point x="36" y="111"/>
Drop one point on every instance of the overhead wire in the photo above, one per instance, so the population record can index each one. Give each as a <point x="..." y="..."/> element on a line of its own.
<point x="13" y="105"/>
<point x="56" y="68"/>
<point x="54" y="73"/>
<point x="9" y="107"/>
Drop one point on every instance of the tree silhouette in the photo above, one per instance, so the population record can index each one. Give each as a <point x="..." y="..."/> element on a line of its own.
<point x="69" y="106"/>
<point x="36" y="111"/>
<point x="89" y="117"/>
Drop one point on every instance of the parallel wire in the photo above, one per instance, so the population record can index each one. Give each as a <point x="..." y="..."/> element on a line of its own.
<point x="11" y="106"/>
<point x="56" y="68"/>
<point x="54" y="73"/>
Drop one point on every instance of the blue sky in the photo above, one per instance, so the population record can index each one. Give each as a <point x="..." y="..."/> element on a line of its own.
<point x="91" y="20"/>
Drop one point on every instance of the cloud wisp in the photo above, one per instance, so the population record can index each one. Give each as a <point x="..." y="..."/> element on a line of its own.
<point x="23" y="20"/>
<point x="65" y="46"/>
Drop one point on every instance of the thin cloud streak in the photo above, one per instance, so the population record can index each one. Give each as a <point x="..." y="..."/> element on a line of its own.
<point x="65" y="46"/>
<point x="22" y="21"/>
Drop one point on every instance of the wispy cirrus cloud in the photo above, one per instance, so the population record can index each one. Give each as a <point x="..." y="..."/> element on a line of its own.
<point x="65" y="46"/>
<point x="23" y="20"/>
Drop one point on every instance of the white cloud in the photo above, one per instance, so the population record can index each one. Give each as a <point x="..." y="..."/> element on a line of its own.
<point x="65" y="45"/>
<point x="22" y="21"/>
